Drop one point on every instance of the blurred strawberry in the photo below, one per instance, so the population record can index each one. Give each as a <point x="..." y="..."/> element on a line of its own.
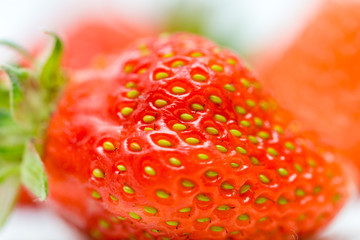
<point x="90" y="40"/>
<point x="317" y="77"/>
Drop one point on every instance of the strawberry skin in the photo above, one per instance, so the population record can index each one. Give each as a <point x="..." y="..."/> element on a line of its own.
<point x="177" y="140"/>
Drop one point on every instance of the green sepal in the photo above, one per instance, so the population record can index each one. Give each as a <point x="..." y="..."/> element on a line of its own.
<point x="33" y="175"/>
<point x="16" y="93"/>
<point x="51" y="77"/>
<point x="9" y="189"/>
<point x="18" y="49"/>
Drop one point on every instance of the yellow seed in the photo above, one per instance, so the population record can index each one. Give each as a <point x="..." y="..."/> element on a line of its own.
<point x="212" y="131"/>
<point x="254" y="160"/>
<point x="231" y="61"/>
<point x="130" y="85"/>
<point x="187" y="183"/>
<point x="264" y="179"/>
<point x="148" y="129"/>
<point x="211" y="174"/>
<point x="202" y="156"/>
<point x="282" y="201"/>
<point x="126" y="111"/>
<point x="148" y="118"/>
<point x="113" y="198"/>
<point x="179" y="127"/>
<point x="192" y="141"/>
<point x="96" y="195"/>
<point x="108" y="146"/>
<point x="235" y="133"/>
<point x="253" y="139"/>
<point x="134" y="215"/>
<point x="186" y="117"/>
<point x="203" y="198"/>
<point x="104" y="224"/>
<point x="223" y="208"/>
<point x="150" y="210"/>
<point x="166" y="55"/>
<point x="164" y="143"/>
<point x="197" y="54"/>
<point x="272" y="151"/>
<point x="184" y="210"/>
<point x="244" y="188"/>
<point x="263" y="135"/>
<point x="245" y="123"/>
<point x="216" y="228"/>
<point x="217" y="68"/>
<point x="241" y="150"/>
<point x="175" y="161"/>
<point x="121" y="168"/>
<point x="219" y="118"/>
<point x="128" y="189"/>
<point x="199" y="77"/>
<point x="227" y="186"/>
<point x="243" y="217"/>
<point x="172" y="223"/>
<point x="250" y="103"/>
<point x="132" y="94"/>
<point x="128" y="68"/>
<point x="162" y="194"/>
<point x="178" y="90"/>
<point x="261" y="200"/>
<point x="202" y="220"/>
<point x="230" y="87"/>
<point x="177" y="64"/>
<point x="282" y="172"/>
<point x="142" y="71"/>
<point x="135" y="147"/>
<point x="240" y="110"/>
<point x="98" y="173"/>
<point x="197" y="107"/>
<point x="215" y="99"/>
<point x="221" y="148"/>
<point x="245" y="82"/>
<point x="161" y="75"/>
<point x="160" y="103"/>
<point x="149" y="171"/>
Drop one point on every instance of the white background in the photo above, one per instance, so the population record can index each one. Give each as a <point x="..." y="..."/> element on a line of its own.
<point x="254" y="25"/>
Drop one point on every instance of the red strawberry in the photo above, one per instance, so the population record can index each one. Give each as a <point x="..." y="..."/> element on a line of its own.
<point x="178" y="141"/>
<point x="317" y="77"/>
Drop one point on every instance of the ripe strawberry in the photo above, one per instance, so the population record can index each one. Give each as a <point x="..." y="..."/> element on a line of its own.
<point x="177" y="141"/>
<point x="317" y="77"/>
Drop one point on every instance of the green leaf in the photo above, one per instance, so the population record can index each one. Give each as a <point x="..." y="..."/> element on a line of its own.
<point x="8" y="194"/>
<point x="16" y="93"/>
<point x="8" y="170"/>
<point x="17" y="48"/>
<point x="33" y="175"/>
<point x="50" y="76"/>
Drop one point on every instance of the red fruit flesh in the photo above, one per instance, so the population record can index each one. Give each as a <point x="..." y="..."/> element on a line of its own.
<point x="317" y="78"/>
<point x="178" y="141"/>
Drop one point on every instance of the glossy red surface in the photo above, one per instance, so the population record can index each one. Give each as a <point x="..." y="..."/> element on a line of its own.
<point x="294" y="186"/>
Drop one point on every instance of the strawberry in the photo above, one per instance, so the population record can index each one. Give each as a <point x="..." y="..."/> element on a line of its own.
<point x="317" y="77"/>
<point x="177" y="140"/>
